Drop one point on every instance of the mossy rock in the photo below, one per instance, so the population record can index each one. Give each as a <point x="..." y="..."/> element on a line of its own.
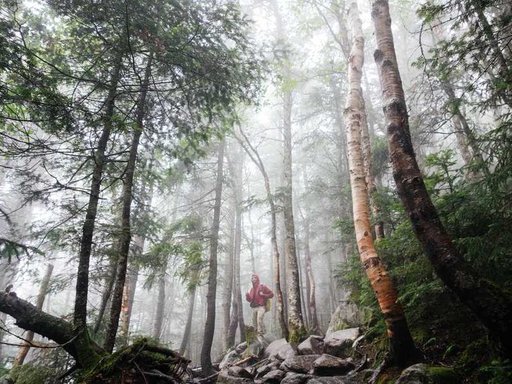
<point x="425" y="374"/>
<point x="443" y="375"/>
<point x="31" y="374"/>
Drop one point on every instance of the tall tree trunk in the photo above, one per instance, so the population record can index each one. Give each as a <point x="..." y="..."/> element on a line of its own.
<point x="296" y="327"/>
<point x="209" y="328"/>
<point x="402" y="345"/>
<point x="43" y="291"/>
<point x="276" y="257"/>
<point x="295" y="321"/>
<point x="236" y="320"/>
<point x="82" y="279"/>
<point x="127" y="197"/>
<point x="491" y="305"/>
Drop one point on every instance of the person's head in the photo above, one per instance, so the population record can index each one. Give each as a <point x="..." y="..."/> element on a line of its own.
<point x="255" y="279"/>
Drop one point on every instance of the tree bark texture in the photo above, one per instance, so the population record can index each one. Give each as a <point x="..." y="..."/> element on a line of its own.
<point x="127" y="197"/>
<point x="402" y="345"/>
<point x="491" y="305"/>
<point x="211" y="296"/>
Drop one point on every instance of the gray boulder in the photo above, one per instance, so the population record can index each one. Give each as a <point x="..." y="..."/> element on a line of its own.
<point x="327" y="365"/>
<point x="313" y="345"/>
<point x="295" y="378"/>
<point x="274" y="376"/>
<point x="299" y="363"/>
<point x="279" y="348"/>
<point x="340" y="343"/>
<point x="331" y="380"/>
<point x="239" y="372"/>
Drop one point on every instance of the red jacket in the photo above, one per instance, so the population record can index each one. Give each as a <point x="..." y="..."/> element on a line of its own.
<point x="258" y="294"/>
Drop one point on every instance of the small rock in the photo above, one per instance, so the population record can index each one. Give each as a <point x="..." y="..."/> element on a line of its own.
<point x="239" y="372"/>
<point x="279" y="348"/>
<point x="313" y="345"/>
<point x="274" y="376"/>
<point x="299" y="363"/>
<point x="295" y="378"/>
<point x="327" y="365"/>
<point x="339" y="343"/>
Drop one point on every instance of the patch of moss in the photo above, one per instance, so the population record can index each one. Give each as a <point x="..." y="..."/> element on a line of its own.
<point x="443" y="375"/>
<point x="31" y="374"/>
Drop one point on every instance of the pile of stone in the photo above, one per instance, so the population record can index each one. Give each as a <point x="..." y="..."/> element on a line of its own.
<point x="317" y="360"/>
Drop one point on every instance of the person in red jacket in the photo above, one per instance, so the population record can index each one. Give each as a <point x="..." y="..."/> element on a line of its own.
<point x="257" y="296"/>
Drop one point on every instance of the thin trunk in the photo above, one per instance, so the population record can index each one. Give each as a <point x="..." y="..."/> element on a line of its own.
<point x="276" y="257"/>
<point x="43" y="290"/>
<point x="313" y="316"/>
<point x="133" y="270"/>
<point x="127" y="197"/>
<point x="160" y="305"/>
<point x="491" y="305"/>
<point x="82" y="279"/>
<point x="295" y="321"/>
<point x="236" y="321"/>
<point x="209" y="328"/>
<point x="107" y="292"/>
<point x="188" y="326"/>
<point x="228" y="279"/>
<point x="402" y="346"/>
<point x="127" y="305"/>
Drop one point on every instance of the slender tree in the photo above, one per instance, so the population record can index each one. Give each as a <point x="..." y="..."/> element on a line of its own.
<point x="211" y="296"/>
<point x="276" y="256"/>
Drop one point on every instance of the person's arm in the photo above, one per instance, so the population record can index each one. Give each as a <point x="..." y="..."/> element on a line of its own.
<point x="248" y="296"/>
<point x="266" y="292"/>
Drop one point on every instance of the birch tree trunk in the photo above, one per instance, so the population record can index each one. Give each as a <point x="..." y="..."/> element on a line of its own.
<point x="491" y="305"/>
<point x="402" y="345"/>
<point x="209" y="328"/>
